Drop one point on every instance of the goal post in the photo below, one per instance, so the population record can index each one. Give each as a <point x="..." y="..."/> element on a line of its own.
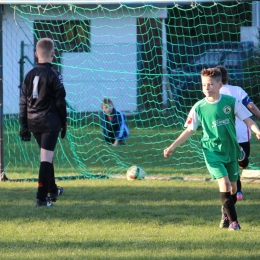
<point x="146" y="56"/>
<point x="2" y="174"/>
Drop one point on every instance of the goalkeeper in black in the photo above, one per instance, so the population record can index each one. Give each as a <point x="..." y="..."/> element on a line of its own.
<point x="43" y="113"/>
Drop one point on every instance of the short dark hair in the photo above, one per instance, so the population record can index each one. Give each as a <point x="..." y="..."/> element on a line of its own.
<point x="214" y="73"/>
<point x="224" y="72"/>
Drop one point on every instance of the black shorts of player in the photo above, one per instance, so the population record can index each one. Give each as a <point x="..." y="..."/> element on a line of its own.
<point x="246" y="147"/>
<point x="47" y="141"/>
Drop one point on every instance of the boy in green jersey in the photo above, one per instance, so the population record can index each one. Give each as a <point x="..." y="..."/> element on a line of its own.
<point x="216" y="114"/>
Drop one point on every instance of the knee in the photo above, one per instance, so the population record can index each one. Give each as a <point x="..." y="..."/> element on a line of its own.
<point x="233" y="189"/>
<point x="46" y="155"/>
<point x="224" y="185"/>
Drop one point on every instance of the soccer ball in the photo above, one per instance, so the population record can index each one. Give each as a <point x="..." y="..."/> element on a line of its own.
<point x="135" y="173"/>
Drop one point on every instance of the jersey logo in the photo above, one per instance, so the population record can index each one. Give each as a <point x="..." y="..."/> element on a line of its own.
<point x="227" y="110"/>
<point x="220" y="122"/>
<point x="189" y="120"/>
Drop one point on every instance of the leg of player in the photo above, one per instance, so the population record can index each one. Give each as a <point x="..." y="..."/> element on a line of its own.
<point x="239" y="189"/>
<point x="227" y="191"/>
<point x="44" y="178"/>
<point x="54" y="190"/>
<point x="243" y="163"/>
<point x="47" y="143"/>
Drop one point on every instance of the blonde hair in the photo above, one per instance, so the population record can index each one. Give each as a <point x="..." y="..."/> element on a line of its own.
<point x="214" y="73"/>
<point x="45" y="47"/>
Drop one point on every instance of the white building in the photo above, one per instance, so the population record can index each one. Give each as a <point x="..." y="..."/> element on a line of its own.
<point x="107" y="69"/>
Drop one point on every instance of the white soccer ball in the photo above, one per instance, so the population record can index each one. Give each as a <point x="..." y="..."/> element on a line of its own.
<point x="135" y="173"/>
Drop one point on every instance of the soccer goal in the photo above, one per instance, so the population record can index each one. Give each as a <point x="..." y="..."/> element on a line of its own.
<point x="146" y="56"/>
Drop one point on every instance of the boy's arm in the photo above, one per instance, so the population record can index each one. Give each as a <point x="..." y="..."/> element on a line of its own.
<point x="253" y="126"/>
<point x="254" y="109"/>
<point x="60" y="95"/>
<point x="121" y="123"/>
<point x="186" y="134"/>
<point x="23" y="107"/>
<point x="103" y="123"/>
<point x="115" y="143"/>
<point x="25" y="135"/>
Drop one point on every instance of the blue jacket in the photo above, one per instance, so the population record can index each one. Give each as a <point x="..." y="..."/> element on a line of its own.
<point x="117" y="127"/>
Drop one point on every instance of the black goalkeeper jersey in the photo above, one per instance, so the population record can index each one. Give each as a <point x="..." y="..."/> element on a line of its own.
<point x="42" y="100"/>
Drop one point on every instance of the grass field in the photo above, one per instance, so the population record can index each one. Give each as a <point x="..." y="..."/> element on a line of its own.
<point x="120" y="219"/>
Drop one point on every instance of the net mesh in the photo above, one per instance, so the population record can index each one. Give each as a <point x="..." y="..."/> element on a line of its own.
<point x="146" y="58"/>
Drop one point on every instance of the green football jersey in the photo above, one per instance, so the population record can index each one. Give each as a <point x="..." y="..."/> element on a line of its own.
<point x="217" y="119"/>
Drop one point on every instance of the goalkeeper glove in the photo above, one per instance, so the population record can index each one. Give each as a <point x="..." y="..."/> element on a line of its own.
<point x="25" y="135"/>
<point x="63" y="131"/>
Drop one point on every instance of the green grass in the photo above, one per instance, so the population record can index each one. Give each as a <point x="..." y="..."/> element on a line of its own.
<point x="120" y="219"/>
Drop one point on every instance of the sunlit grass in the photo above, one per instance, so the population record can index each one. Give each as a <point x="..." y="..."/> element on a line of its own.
<point x="120" y="219"/>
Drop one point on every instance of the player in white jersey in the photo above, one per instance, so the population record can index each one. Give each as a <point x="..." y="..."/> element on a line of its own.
<point x="242" y="131"/>
<point x="216" y="114"/>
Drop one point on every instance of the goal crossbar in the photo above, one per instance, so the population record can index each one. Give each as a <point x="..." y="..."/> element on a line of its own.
<point x="106" y="2"/>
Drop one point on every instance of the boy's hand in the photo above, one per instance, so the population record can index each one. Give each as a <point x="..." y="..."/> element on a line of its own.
<point x="115" y="143"/>
<point x="25" y="135"/>
<point x="63" y="131"/>
<point x="258" y="136"/>
<point x="167" y="152"/>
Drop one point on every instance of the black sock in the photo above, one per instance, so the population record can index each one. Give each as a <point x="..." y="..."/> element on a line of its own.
<point x="229" y="206"/>
<point x="53" y="187"/>
<point x="239" y="184"/>
<point x="44" y="180"/>
<point x="234" y="198"/>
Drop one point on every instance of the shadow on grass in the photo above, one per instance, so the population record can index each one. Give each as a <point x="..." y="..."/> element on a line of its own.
<point x="181" y="250"/>
<point x="178" y="202"/>
<point x="126" y="220"/>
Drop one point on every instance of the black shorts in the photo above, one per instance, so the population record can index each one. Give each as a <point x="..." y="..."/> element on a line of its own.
<point x="246" y="147"/>
<point x="47" y="141"/>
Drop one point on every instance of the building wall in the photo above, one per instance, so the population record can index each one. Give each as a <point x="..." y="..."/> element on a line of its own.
<point x="109" y="69"/>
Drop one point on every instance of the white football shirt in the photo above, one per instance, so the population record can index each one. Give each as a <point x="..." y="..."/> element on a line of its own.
<point x="242" y="131"/>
